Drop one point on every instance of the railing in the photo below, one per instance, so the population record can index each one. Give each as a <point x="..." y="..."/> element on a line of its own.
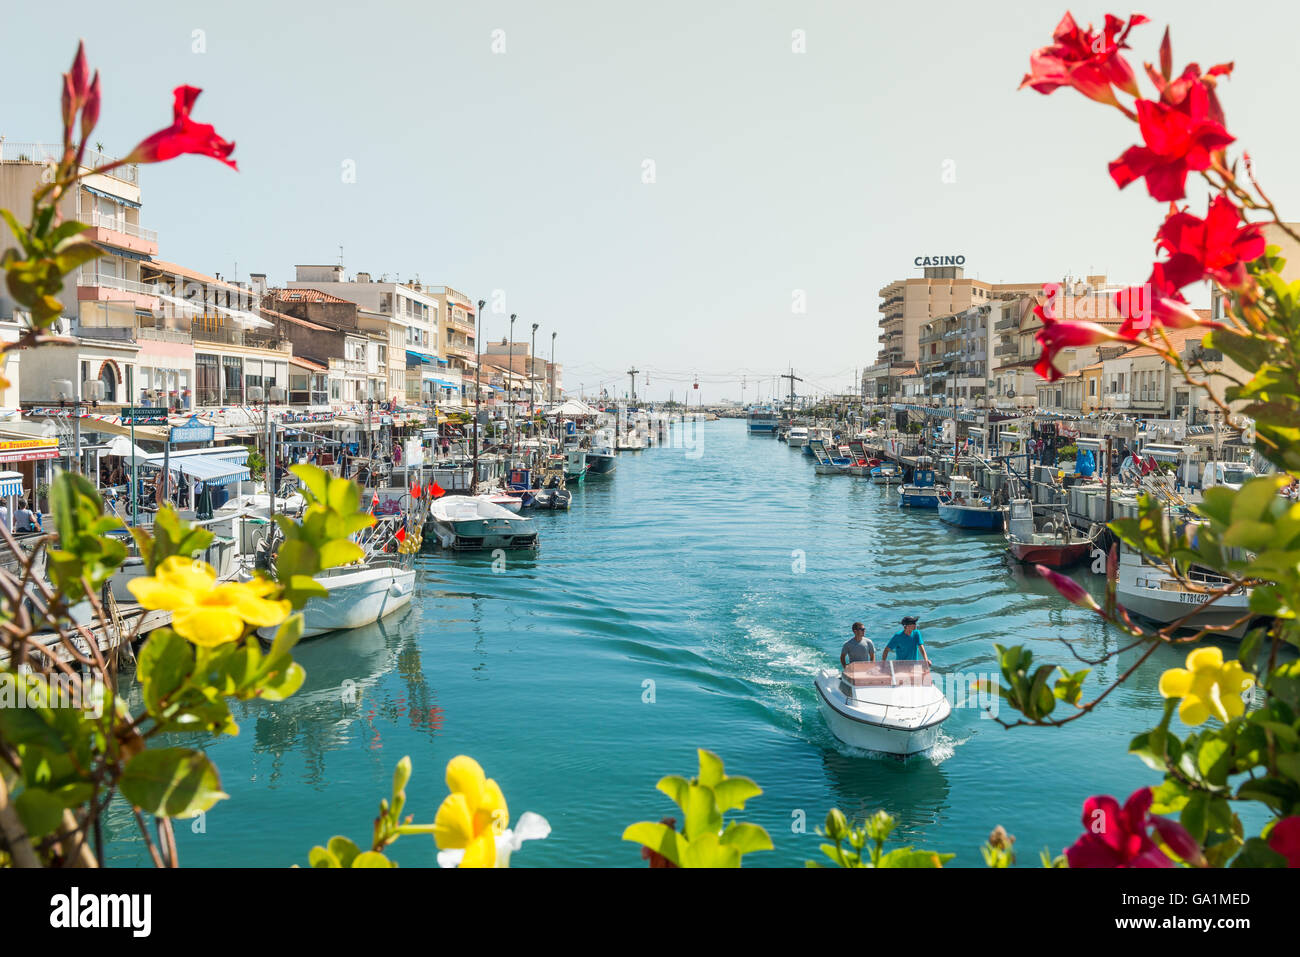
<point x="116" y="282"/>
<point x="42" y="153"/>
<point x="233" y="335"/>
<point x="1008" y="349"/>
<point x="1003" y="325"/>
<point x="122" y="226"/>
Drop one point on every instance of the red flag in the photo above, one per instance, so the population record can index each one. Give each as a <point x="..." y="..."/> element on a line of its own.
<point x="415" y="490"/>
<point x="401" y="535"/>
<point x="374" y="501"/>
<point x="436" y="490"/>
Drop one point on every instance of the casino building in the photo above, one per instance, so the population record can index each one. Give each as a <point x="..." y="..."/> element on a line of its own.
<point x="941" y="290"/>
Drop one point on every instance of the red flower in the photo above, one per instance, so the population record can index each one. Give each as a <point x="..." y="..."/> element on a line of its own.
<point x="1179" y="140"/>
<point x="1085" y="60"/>
<point x="1285" y="839"/>
<point x="1057" y="334"/>
<point x="1218" y="246"/>
<point x="1118" y="837"/>
<point x="183" y="136"/>
<point x="1158" y="302"/>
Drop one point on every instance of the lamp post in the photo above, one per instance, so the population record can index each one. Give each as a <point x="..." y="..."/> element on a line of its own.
<point x="510" y="395"/>
<point x="532" y="360"/>
<point x="478" y="389"/>
<point x="552" y="383"/>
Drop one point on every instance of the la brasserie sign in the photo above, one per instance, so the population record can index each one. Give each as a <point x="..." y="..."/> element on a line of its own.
<point x="939" y="261"/>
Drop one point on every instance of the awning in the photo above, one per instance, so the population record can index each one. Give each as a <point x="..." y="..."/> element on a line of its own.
<point x="213" y="471"/>
<point x="419" y="356"/>
<point x="103" y="195"/>
<point x="444" y="383"/>
<point x="11" y="483"/>
<point x="235" y="454"/>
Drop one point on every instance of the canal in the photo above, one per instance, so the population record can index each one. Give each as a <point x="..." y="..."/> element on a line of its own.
<point x="687" y="601"/>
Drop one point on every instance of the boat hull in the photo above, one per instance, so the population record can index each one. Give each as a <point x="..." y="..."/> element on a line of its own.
<point x="355" y="599"/>
<point x="918" y="498"/>
<point x="600" y="464"/>
<point x="1053" y="555"/>
<point x="985" y="519"/>
<point x="910" y="728"/>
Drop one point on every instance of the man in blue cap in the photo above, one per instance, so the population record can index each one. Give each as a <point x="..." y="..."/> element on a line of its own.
<point x="906" y="643"/>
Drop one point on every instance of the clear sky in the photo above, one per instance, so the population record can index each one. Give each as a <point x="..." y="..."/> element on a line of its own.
<point x="522" y="170"/>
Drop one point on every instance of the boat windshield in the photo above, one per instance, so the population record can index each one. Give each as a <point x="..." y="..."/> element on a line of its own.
<point x="887" y="674"/>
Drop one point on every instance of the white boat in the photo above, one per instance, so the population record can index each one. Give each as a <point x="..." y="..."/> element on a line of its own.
<point x="890" y="706"/>
<point x="797" y="437"/>
<point x="359" y="595"/>
<point x="1146" y="589"/>
<point x="471" y="522"/>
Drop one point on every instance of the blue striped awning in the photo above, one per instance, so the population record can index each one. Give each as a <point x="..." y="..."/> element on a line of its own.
<point x="445" y="384"/>
<point x="103" y="195"/>
<point x="211" y="471"/>
<point x="418" y="356"/>
<point x="11" y="483"/>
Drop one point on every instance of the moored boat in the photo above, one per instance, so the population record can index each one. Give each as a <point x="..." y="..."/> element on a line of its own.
<point x="465" y="522"/>
<point x="1056" y="546"/>
<point x="921" y="491"/>
<point x="959" y="505"/>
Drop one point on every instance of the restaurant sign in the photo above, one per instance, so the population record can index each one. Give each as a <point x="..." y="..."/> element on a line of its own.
<point x="28" y="450"/>
<point x="192" y="431"/>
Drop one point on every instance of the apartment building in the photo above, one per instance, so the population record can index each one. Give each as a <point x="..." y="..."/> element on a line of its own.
<point x="909" y="304"/>
<point x="410" y="307"/>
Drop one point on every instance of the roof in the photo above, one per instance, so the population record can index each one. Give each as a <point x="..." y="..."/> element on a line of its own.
<point x="183" y="272"/>
<point x="1095" y="365"/>
<point x="306" y="295"/>
<point x="1177" y="338"/>
<point x="307" y="364"/>
<point x="306" y="324"/>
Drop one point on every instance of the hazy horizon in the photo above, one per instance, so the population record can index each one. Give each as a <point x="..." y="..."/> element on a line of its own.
<point x="777" y="174"/>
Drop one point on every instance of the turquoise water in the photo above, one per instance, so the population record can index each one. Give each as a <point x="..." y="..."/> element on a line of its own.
<point x="687" y="601"/>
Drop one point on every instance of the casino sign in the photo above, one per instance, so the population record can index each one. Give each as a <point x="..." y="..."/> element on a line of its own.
<point x="939" y="261"/>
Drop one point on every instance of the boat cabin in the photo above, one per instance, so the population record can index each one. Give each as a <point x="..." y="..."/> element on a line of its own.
<point x="884" y="674"/>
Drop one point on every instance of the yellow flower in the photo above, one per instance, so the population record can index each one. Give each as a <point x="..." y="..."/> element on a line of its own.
<point x="472" y="815"/>
<point x="1207" y="686"/>
<point x="204" y="612"/>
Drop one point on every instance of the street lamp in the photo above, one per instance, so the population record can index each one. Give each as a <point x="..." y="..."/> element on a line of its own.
<point x="510" y="395"/>
<point x="552" y="383"/>
<point x="478" y="388"/>
<point x="532" y="359"/>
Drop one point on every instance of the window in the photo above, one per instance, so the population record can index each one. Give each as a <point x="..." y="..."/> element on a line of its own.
<point x="207" y="378"/>
<point x="386" y="302"/>
<point x="232" y="368"/>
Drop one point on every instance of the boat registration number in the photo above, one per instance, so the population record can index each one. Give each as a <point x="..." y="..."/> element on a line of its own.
<point x="1193" y="598"/>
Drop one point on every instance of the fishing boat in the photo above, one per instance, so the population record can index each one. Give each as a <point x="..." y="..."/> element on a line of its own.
<point x="1055" y="543"/>
<point x="519" y="484"/>
<point x="828" y="464"/>
<point x="817" y="433"/>
<point x="960" y="505"/>
<point x="890" y="706"/>
<point x="575" y="466"/>
<point x="1146" y="589"/>
<point x="886" y="473"/>
<point x="861" y="464"/>
<point x="797" y="437"/>
<point x="762" y="421"/>
<point x="601" y="460"/>
<point x="465" y="522"/>
<point x="921" y="491"/>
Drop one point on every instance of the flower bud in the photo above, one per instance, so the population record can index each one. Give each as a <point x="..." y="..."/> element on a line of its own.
<point x="90" y="112"/>
<point x="1068" y="588"/>
<point x="1178" y="840"/>
<point x="837" y="826"/>
<point x="79" y="75"/>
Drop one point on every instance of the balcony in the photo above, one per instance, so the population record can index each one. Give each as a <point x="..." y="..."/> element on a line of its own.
<point x="99" y="286"/>
<point x="1009" y="324"/>
<point x="206" y="330"/>
<point x="114" y="231"/>
<point x="43" y="153"/>
<point x="463" y="326"/>
<point x="1007" y="349"/>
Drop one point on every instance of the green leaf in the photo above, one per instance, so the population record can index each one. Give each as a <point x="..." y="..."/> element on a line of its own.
<point x="906" y="857"/>
<point x="707" y="850"/>
<point x="164" y="664"/>
<point x="732" y="793"/>
<point x="319" y="857"/>
<point x="371" y="859"/>
<point x="340" y="552"/>
<point x="343" y="850"/>
<point x="702" y="815"/>
<point x="40" y="811"/>
<point x="314" y="478"/>
<point x="747" y="838"/>
<point x="711" y="768"/>
<point x="658" y="838"/>
<point x="1257" y="853"/>
<point x="171" y="782"/>
<point x="677" y="788"/>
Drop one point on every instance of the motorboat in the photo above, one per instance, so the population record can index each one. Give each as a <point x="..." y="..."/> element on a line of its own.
<point x="506" y="500"/>
<point x="357" y="595"/>
<point x="465" y="522"/>
<point x="861" y="464"/>
<point x="891" y="706"/>
<point x="762" y="421"/>
<point x="1055" y="544"/>
<point x="886" y="473"/>
<point x="921" y="491"/>
<point x="828" y="463"/>
<point x="797" y="437"/>
<point x="960" y="505"/>
<point x="601" y="460"/>
<point x="519" y="484"/>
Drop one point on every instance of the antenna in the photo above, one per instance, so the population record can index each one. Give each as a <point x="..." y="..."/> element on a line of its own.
<point x="340" y="254"/>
